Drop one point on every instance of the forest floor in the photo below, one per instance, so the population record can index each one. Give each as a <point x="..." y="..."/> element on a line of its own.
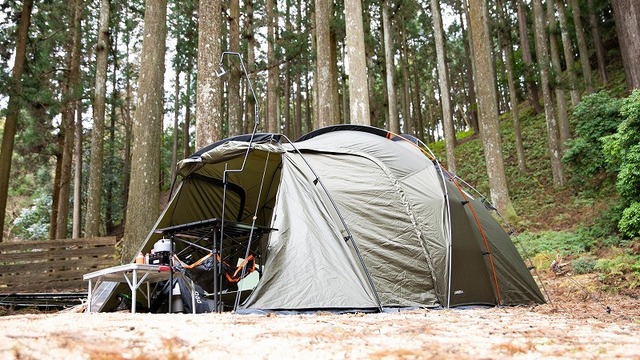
<point x="575" y="325"/>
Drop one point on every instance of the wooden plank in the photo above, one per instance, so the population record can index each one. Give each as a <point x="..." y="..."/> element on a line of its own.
<point x="45" y="277"/>
<point x="84" y="263"/>
<point x="58" y="265"/>
<point x="17" y="246"/>
<point x="32" y="257"/>
<point x="50" y="286"/>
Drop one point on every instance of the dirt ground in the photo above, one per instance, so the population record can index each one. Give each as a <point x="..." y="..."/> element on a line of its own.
<point x="576" y="325"/>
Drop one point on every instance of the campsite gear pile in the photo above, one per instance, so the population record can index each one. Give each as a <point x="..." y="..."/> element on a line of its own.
<point x="362" y="219"/>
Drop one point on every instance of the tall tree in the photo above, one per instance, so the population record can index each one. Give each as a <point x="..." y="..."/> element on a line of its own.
<point x="358" y="87"/>
<point x="542" y="54"/>
<point x="297" y="124"/>
<point x="325" y="100"/>
<point x="627" y="17"/>
<point x="468" y="51"/>
<point x="13" y="108"/>
<point x="393" y="123"/>
<point x="487" y="106"/>
<point x="272" y="70"/>
<point x="94" y="194"/>
<point x="561" y="102"/>
<point x="235" y="105"/>
<point x="76" y="231"/>
<point x="583" y="50"/>
<point x="568" y="52"/>
<point x="208" y="102"/>
<point x="505" y="41"/>
<point x="144" y="193"/>
<point x="70" y="94"/>
<point x="527" y="58"/>
<point x="443" y="81"/>
<point x="597" y="42"/>
<point x="406" y="82"/>
<point x="251" y="60"/>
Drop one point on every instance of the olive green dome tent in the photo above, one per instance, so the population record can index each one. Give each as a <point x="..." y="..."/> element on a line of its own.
<point x="355" y="218"/>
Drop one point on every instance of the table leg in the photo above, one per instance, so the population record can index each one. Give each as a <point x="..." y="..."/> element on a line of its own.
<point x="193" y="297"/>
<point x="89" y="293"/>
<point x="134" y="290"/>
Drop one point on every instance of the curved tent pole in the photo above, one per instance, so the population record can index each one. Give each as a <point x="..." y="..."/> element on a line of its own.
<point x="344" y="224"/>
<point x="221" y="71"/>
<point x="253" y="223"/>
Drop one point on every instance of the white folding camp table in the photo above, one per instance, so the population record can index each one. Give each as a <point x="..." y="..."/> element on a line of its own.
<point x="134" y="275"/>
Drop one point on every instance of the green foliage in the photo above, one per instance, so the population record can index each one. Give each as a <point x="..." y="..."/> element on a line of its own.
<point x="596" y="116"/>
<point x="559" y="242"/>
<point x="630" y="222"/>
<point x="622" y="152"/>
<point x="621" y="269"/>
<point x="583" y="265"/>
<point x="33" y="221"/>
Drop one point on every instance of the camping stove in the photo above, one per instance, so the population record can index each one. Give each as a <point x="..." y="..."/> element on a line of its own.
<point x="161" y="253"/>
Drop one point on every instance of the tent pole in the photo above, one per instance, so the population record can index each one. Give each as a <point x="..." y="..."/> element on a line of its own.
<point x="349" y="236"/>
<point x="221" y="71"/>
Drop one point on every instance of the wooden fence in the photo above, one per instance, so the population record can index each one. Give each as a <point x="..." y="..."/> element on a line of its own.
<point x="52" y="266"/>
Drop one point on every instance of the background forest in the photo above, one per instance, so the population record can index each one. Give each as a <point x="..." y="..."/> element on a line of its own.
<point x="532" y="102"/>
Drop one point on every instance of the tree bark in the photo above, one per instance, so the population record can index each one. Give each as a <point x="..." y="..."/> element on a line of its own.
<point x="235" y="104"/>
<point x="315" y="121"/>
<point x="407" y="117"/>
<point x="144" y="194"/>
<point x="418" y="102"/>
<point x="70" y="94"/>
<point x="176" y="123"/>
<point x="297" y="123"/>
<point x="325" y="100"/>
<point x="443" y="81"/>
<point x="597" y="42"/>
<point x="55" y="196"/>
<point x="542" y="54"/>
<point x="527" y="58"/>
<point x="583" y="50"/>
<point x="208" y="101"/>
<point x="393" y="122"/>
<point x="109" y="225"/>
<point x="76" y="231"/>
<point x="568" y="52"/>
<point x="468" y="51"/>
<point x="561" y="102"/>
<point x="286" y="69"/>
<point x="13" y="109"/>
<point x="505" y="40"/>
<point x="627" y="16"/>
<point x="487" y="107"/>
<point x="94" y="193"/>
<point x="333" y="51"/>
<point x="251" y="61"/>
<point x="186" y="141"/>
<point x="358" y="85"/>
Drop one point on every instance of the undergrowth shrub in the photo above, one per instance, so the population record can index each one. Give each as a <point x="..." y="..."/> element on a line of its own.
<point x="596" y="116"/>
<point x="556" y="242"/>
<point x="620" y="270"/>
<point x="622" y="152"/>
<point x="33" y="222"/>
<point x="583" y="265"/>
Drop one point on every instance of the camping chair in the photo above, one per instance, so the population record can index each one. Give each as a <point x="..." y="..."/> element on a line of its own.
<point x="202" y="273"/>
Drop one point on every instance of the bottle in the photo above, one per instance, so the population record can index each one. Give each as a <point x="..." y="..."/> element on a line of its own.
<point x="140" y="259"/>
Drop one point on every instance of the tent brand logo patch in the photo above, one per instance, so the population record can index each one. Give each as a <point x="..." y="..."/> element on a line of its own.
<point x="458" y="292"/>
